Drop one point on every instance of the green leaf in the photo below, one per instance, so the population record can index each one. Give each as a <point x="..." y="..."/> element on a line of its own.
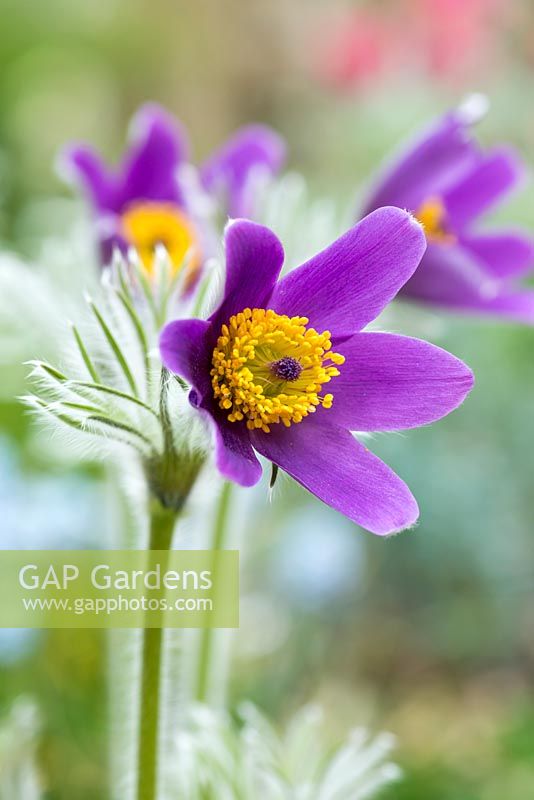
<point x="85" y="355"/>
<point x="120" y="426"/>
<point x="100" y="387"/>
<point x="116" y="349"/>
<point x="137" y="324"/>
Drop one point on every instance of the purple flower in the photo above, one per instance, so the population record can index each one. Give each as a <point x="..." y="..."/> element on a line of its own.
<point x="260" y="366"/>
<point x="447" y="181"/>
<point x="255" y="152"/>
<point x="144" y="203"/>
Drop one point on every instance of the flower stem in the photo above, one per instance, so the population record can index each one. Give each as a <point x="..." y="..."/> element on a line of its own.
<point x="162" y="522"/>
<point x="205" y="652"/>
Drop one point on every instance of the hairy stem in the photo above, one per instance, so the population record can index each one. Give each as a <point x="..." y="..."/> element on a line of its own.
<point x="206" y="645"/>
<point x="162" y="522"/>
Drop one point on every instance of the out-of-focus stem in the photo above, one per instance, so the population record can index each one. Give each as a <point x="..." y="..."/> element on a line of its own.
<point x="205" y="665"/>
<point x="162" y="522"/>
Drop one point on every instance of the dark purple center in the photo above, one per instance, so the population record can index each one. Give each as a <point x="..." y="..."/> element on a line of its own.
<point x="287" y="368"/>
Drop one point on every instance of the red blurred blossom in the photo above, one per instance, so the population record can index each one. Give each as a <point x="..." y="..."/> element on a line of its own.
<point x="448" y="39"/>
<point x="354" y="49"/>
<point x="457" y="38"/>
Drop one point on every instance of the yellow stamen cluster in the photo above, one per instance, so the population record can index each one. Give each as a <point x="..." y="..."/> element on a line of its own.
<point x="244" y="372"/>
<point x="147" y="225"/>
<point x="432" y="215"/>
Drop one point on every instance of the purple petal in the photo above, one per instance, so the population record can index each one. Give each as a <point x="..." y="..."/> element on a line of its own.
<point x="348" y="284"/>
<point x="149" y="171"/>
<point x="482" y="187"/>
<point x="84" y="167"/>
<point x="185" y="350"/>
<point x="253" y="150"/>
<point x="425" y="168"/>
<point x="339" y="470"/>
<point x="450" y="277"/>
<point x="393" y="382"/>
<point x="110" y="237"/>
<point x="234" y="456"/>
<point x="447" y="269"/>
<point x="516" y="306"/>
<point x="504" y="254"/>
<point x="254" y="258"/>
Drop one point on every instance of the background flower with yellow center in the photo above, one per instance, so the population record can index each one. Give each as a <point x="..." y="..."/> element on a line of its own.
<point x="376" y="381"/>
<point x="149" y="225"/>
<point x="148" y="180"/>
<point x="448" y="181"/>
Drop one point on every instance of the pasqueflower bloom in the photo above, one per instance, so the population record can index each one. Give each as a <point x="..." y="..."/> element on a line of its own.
<point x="283" y="368"/>
<point x="448" y="182"/>
<point x="143" y="202"/>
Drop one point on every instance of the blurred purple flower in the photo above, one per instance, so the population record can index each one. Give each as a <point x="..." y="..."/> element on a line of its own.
<point x="447" y="181"/>
<point x="144" y="202"/>
<point x="258" y="369"/>
<point x="253" y="153"/>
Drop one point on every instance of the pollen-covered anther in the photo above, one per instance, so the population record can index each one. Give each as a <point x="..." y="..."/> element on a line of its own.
<point x="268" y="368"/>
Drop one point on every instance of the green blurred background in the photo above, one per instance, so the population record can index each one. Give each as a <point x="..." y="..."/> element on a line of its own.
<point x="429" y="635"/>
